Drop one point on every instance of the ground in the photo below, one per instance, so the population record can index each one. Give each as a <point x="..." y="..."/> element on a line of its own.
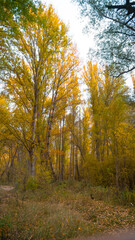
<point x="60" y="211"/>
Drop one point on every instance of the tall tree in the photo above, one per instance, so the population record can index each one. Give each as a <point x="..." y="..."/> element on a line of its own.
<point x="109" y="113"/>
<point x="115" y="33"/>
<point x="38" y="77"/>
<point x="11" y="14"/>
<point x="72" y="120"/>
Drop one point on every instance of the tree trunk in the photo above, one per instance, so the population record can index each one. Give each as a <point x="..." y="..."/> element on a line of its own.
<point x="63" y="151"/>
<point x="73" y="145"/>
<point x="33" y="127"/>
<point x="31" y="163"/>
<point x="70" y="167"/>
<point x="33" y="168"/>
<point x="117" y="167"/>
<point x="97" y="141"/>
<point x="60" y="153"/>
<point x="77" y="168"/>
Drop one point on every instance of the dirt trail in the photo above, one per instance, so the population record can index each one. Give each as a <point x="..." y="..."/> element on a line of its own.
<point x="6" y="188"/>
<point x="118" y="235"/>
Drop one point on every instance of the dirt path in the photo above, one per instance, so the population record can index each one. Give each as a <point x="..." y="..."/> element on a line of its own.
<point x="119" y="235"/>
<point x="6" y="188"/>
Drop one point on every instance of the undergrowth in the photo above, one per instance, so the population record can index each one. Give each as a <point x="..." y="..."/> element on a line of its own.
<point x="63" y="211"/>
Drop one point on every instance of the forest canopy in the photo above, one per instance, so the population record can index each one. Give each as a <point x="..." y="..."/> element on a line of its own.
<point x="115" y="32"/>
<point x="48" y="132"/>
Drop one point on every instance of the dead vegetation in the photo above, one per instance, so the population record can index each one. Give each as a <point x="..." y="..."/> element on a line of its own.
<point x="59" y="211"/>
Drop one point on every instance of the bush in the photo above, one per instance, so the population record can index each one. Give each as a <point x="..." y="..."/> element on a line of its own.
<point x="32" y="183"/>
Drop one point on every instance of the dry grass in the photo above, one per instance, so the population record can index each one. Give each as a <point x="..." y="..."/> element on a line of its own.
<point x="59" y="212"/>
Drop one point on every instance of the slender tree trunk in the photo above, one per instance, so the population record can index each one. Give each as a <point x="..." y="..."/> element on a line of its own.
<point x="107" y="147"/>
<point x="70" y="167"/>
<point x="57" y="157"/>
<point x="97" y="141"/>
<point x="31" y="163"/>
<point x="48" y="158"/>
<point x="60" y="152"/>
<point x="60" y="157"/>
<point x="117" y="166"/>
<point x="20" y="152"/>
<point x="73" y="159"/>
<point x="12" y="159"/>
<point x="103" y="150"/>
<point x="73" y="145"/>
<point x="97" y="149"/>
<point x="33" y="168"/>
<point x="63" y="151"/>
<point x="48" y="134"/>
<point x="34" y="120"/>
<point x="77" y="167"/>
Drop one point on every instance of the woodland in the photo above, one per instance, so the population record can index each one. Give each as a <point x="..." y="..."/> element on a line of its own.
<point x="53" y="141"/>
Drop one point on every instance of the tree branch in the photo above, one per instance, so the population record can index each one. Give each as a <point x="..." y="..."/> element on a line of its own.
<point x="127" y="71"/>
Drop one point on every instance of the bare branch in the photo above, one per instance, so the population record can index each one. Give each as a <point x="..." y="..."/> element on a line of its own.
<point x="127" y="71"/>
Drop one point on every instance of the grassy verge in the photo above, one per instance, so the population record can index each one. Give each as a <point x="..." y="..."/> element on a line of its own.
<point x="61" y="211"/>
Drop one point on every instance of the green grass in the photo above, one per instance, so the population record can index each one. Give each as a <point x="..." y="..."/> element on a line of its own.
<point x="61" y="211"/>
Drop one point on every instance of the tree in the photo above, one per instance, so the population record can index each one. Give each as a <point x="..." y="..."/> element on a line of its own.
<point x="74" y="101"/>
<point x="39" y="75"/>
<point x="62" y="83"/>
<point x="17" y="9"/>
<point x="115" y="34"/>
<point x="128" y="6"/>
<point x="12" y="15"/>
<point x="111" y="130"/>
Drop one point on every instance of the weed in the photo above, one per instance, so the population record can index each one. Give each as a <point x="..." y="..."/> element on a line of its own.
<point x="62" y="211"/>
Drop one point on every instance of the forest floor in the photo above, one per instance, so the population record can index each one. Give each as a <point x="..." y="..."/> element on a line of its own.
<point x="61" y="211"/>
